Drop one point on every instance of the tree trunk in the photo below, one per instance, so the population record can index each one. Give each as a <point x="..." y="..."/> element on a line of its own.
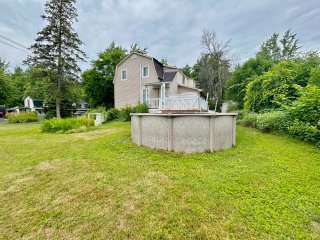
<point x="58" y="99"/>
<point x="58" y="107"/>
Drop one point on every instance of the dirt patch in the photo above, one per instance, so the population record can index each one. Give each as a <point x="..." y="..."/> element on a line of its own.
<point x="45" y="166"/>
<point x="91" y="135"/>
<point x="316" y="227"/>
<point x="121" y="223"/>
<point x="8" y="190"/>
<point x="24" y="180"/>
<point x="63" y="198"/>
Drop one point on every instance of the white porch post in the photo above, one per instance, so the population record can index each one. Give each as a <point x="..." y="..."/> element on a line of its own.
<point x="162" y="96"/>
<point x="140" y="86"/>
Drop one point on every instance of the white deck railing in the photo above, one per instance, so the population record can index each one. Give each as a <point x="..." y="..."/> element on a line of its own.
<point x="186" y="101"/>
<point x="153" y="103"/>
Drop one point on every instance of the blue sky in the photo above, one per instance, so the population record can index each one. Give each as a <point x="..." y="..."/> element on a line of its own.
<point x="170" y="29"/>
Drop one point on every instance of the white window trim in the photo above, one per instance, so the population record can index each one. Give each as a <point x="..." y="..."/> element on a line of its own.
<point x="124" y="79"/>
<point x="148" y="71"/>
<point x="147" y="94"/>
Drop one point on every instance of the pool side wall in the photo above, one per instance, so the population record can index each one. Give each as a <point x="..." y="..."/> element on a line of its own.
<point x="184" y="132"/>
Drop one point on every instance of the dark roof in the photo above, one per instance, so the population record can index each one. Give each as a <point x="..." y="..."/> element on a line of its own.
<point x="169" y="76"/>
<point x="159" y="68"/>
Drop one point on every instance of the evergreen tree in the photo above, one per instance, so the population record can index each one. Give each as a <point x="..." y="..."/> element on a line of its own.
<point x="57" y="49"/>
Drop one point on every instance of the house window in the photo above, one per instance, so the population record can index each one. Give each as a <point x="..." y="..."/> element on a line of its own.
<point x="145" y="95"/>
<point x="145" y="71"/>
<point x="183" y="80"/>
<point x="124" y="74"/>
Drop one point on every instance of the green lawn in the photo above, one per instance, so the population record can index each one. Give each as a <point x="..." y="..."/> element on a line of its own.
<point x="99" y="185"/>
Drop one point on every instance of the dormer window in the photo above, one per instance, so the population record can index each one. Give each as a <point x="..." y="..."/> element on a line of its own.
<point x="145" y="71"/>
<point x="124" y="74"/>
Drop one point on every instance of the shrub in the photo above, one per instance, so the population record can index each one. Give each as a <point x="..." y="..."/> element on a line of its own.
<point x="249" y="120"/>
<point x="97" y="110"/>
<point x="141" y="108"/>
<point x="273" y="121"/>
<point x="305" y="132"/>
<point x="23" y="117"/>
<point x="213" y="102"/>
<point x="307" y="107"/>
<point x="124" y="113"/>
<point x="240" y="115"/>
<point x="233" y="107"/>
<point x="112" y="114"/>
<point x="67" y="125"/>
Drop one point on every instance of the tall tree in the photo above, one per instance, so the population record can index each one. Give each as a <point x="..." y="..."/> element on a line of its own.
<point x="4" y="65"/>
<point x="213" y="68"/>
<point x="5" y="87"/>
<point x="290" y="45"/>
<point x="187" y="70"/>
<point x="277" y="50"/>
<point x="57" y="49"/>
<point x="135" y="47"/>
<point x="98" y="80"/>
<point x="164" y="61"/>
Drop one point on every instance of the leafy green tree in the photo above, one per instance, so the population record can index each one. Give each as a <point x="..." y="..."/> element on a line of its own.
<point x="5" y="83"/>
<point x="57" y="50"/>
<point x="290" y="45"/>
<point x="19" y="83"/>
<point x="187" y="70"/>
<point x="277" y="50"/>
<point x="315" y="77"/>
<point x="277" y="87"/>
<point x="307" y="107"/>
<point x="98" y="81"/>
<point x="4" y="65"/>
<point x="135" y="47"/>
<point x="164" y="61"/>
<point x="237" y="83"/>
<point x="4" y="88"/>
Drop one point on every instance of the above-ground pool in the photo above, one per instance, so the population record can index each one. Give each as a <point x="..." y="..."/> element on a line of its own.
<point x="184" y="132"/>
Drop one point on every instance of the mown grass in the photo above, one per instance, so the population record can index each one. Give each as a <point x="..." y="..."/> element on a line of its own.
<point x="99" y="185"/>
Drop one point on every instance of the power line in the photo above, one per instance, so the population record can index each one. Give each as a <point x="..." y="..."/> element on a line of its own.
<point x="13" y="46"/>
<point x="8" y="39"/>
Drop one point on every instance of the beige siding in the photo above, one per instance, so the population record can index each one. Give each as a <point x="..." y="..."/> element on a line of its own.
<point x="154" y="92"/>
<point x="175" y="89"/>
<point x="191" y="83"/>
<point x="182" y="89"/>
<point x="127" y="92"/>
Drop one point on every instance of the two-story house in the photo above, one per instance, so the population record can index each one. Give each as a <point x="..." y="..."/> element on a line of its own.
<point x="143" y="79"/>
